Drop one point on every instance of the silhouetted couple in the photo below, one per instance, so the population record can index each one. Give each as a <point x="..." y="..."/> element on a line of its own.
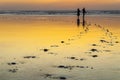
<point x="78" y="14"/>
<point x="83" y="11"/>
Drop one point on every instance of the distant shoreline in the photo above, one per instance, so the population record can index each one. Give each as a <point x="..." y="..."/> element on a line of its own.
<point x="59" y="12"/>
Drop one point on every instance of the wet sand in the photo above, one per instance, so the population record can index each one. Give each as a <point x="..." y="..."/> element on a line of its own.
<point x="56" y="48"/>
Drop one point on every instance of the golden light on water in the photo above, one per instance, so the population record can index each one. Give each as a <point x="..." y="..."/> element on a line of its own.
<point x="53" y="45"/>
<point x="42" y="31"/>
<point x="86" y="50"/>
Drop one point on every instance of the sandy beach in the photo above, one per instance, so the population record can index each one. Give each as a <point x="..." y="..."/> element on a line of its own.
<point x="56" y="48"/>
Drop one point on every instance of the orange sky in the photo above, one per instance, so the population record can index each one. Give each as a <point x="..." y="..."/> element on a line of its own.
<point x="59" y="4"/>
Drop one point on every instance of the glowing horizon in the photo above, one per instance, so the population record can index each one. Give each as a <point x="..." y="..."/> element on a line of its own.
<point x="58" y="4"/>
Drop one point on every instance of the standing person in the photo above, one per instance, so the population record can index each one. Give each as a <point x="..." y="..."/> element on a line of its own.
<point x="78" y="12"/>
<point x="78" y="15"/>
<point x="84" y="12"/>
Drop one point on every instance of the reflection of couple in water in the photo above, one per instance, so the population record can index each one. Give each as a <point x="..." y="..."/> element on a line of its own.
<point x="78" y="15"/>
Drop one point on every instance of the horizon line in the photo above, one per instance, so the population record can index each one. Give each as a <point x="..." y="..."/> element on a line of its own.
<point x="58" y="9"/>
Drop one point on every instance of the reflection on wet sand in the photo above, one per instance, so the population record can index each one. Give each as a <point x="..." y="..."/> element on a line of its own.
<point x="84" y="24"/>
<point x="50" y="50"/>
<point x="78" y="22"/>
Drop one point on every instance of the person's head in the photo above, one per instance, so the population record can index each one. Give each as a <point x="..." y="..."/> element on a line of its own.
<point x="83" y="8"/>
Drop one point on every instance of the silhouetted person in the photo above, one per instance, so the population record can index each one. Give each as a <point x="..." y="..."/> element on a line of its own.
<point x="84" y="12"/>
<point x="78" y="12"/>
<point x="78" y="15"/>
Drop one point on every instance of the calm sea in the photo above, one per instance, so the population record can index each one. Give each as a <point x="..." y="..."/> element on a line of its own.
<point x="58" y="12"/>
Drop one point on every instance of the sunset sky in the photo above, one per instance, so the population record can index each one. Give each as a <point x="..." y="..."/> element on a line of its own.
<point x="58" y="4"/>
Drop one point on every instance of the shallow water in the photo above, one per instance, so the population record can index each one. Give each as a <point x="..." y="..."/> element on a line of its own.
<point x="56" y="48"/>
